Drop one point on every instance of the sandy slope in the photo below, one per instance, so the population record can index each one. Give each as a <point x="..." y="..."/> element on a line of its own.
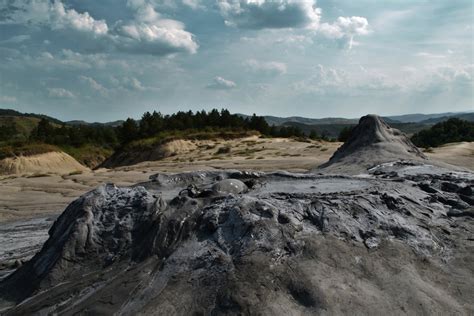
<point x="52" y="162"/>
<point x="458" y="154"/>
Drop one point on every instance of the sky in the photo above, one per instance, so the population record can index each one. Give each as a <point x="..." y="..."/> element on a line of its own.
<point x="111" y="59"/>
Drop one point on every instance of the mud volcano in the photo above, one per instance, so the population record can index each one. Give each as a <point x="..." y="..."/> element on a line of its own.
<point x="372" y="142"/>
<point x="397" y="240"/>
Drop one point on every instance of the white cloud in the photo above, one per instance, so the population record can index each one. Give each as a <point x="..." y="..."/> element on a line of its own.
<point x="60" y="93"/>
<point x="290" y="14"/>
<point x="220" y="83"/>
<point x="446" y="78"/>
<point x="345" y="28"/>
<point x="128" y="83"/>
<point x="134" y="84"/>
<point x="151" y="34"/>
<point x="68" y="59"/>
<point x="327" y="80"/>
<point x="261" y="14"/>
<point x="267" y="68"/>
<point x="54" y="15"/>
<point x="94" y="84"/>
<point x="194" y="4"/>
<point x="429" y="55"/>
<point x="147" y="33"/>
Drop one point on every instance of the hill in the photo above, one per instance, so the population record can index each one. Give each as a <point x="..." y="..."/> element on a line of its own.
<point x="110" y="124"/>
<point x="465" y="116"/>
<point x="9" y="112"/>
<point x="426" y="118"/>
<point x="52" y="162"/>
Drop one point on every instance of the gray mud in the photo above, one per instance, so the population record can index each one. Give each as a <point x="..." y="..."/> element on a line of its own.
<point x="231" y="242"/>
<point x="20" y="241"/>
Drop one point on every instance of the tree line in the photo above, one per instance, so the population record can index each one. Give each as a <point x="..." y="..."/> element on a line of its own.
<point x="450" y="131"/>
<point x="151" y="125"/>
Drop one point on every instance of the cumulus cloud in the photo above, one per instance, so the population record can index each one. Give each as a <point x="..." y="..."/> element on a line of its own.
<point x="220" y="83"/>
<point x="128" y="83"/>
<point x="60" y="93"/>
<point x="147" y="33"/>
<point x="261" y="14"/>
<point x="54" y="15"/>
<point x="268" y="68"/>
<point x="277" y="14"/>
<point x="67" y="59"/>
<point x="345" y="28"/>
<point x="150" y="33"/>
<point x="446" y="78"/>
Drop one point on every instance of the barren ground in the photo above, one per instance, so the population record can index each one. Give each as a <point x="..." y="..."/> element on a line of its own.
<point x="26" y="197"/>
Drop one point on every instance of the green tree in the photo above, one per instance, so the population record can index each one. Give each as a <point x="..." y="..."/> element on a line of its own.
<point x="345" y="133"/>
<point x="128" y="131"/>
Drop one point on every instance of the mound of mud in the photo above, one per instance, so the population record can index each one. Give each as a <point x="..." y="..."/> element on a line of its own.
<point x="127" y="157"/>
<point x="52" y="162"/>
<point x="372" y="142"/>
<point x="231" y="242"/>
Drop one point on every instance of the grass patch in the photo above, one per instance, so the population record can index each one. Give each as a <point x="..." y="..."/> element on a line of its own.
<point x="302" y="139"/>
<point x="75" y="173"/>
<point x="223" y="150"/>
<point x="25" y="149"/>
<point x="39" y="175"/>
<point x="88" y="155"/>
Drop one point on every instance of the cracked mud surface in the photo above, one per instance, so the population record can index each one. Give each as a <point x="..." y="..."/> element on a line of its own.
<point x="393" y="242"/>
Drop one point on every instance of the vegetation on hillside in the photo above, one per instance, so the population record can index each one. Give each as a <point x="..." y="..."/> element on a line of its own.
<point x="450" y="131"/>
<point x="345" y="133"/>
<point x="25" y="149"/>
<point x="91" y="144"/>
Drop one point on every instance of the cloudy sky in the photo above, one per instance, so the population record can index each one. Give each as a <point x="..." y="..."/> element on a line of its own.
<point x="109" y="59"/>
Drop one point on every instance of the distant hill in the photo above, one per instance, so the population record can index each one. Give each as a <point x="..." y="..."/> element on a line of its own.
<point x="111" y="124"/>
<point x="427" y="118"/>
<point x="332" y="126"/>
<point x="9" y="112"/>
<point x="465" y="116"/>
<point x="23" y="125"/>
<point x="333" y="130"/>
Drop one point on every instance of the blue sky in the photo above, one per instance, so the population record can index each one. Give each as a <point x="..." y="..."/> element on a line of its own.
<point x="111" y="59"/>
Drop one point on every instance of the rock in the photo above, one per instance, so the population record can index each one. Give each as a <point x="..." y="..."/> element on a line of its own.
<point x="372" y="242"/>
<point x="467" y="199"/>
<point x="459" y="213"/>
<point x="450" y="187"/>
<point x="466" y="191"/>
<point x="427" y="188"/>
